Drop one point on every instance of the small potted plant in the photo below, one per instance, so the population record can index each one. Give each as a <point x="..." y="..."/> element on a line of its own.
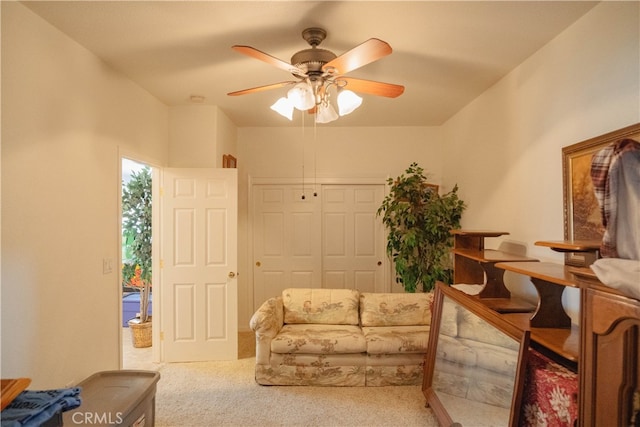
<point x="136" y="235"/>
<point x="419" y="222"/>
<point x="140" y="325"/>
<point x="143" y="287"/>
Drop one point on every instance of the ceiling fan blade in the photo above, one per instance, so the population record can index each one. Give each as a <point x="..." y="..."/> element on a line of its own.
<point x="373" y="88"/>
<point x="272" y="60"/>
<point x="260" y="88"/>
<point x="363" y="54"/>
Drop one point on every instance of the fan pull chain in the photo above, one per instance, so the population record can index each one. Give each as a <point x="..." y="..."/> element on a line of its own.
<point x="302" y="117"/>
<point x="315" y="145"/>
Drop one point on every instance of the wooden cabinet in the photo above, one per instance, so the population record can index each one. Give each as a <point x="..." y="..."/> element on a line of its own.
<point x="610" y="366"/>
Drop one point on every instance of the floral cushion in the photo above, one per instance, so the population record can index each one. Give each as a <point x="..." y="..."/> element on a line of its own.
<point x="380" y="376"/>
<point x="323" y="360"/>
<point x="449" y="322"/>
<point x="396" y="339"/>
<point x="321" y="306"/>
<point x="493" y="358"/>
<point x="551" y="393"/>
<point x="316" y="374"/>
<point x="319" y="339"/>
<point x="472" y="383"/>
<point x="395" y="309"/>
<point x="474" y="328"/>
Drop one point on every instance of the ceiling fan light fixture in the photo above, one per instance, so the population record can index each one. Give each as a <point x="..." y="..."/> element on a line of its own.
<point x="302" y="97"/>
<point x="347" y="101"/>
<point x="284" y="107"/>
<point x="326" y="113"/>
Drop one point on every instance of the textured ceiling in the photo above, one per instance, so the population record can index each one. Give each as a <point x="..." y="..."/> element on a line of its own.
<point x="444" y="53"/>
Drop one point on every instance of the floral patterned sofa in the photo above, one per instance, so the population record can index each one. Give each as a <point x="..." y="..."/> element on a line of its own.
<point x="341" y="337"/>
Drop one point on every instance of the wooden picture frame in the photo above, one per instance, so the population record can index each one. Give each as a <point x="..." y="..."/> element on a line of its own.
<point x="444" y="394"/>
<point x="582" y="218"/>
<point x="228" y="161"/>
<point x="435" y="188"/>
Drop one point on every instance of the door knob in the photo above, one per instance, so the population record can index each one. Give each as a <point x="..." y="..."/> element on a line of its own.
<point x="258" y="264"/>
<point x="232" y="275"/>
<point x="379" y="262"/>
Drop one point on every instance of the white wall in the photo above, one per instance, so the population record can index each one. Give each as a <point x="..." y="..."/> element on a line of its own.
<point x="330" y="153"/>
<point x="64" y="116"/>
<point x="199" y="135"/>
<point x="505" y="148"/>
<point x="226" y="137"/>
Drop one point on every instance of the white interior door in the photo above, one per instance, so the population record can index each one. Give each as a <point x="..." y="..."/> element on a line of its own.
<point x="353" y="241"/>
<point x="199" y="264"/>
<point x="286" y="240"/>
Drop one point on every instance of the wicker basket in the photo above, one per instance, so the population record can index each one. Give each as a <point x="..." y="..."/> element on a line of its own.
<point x="140" y="332"/>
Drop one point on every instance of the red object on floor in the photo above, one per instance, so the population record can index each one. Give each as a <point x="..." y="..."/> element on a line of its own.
<point x="550" y="395"/>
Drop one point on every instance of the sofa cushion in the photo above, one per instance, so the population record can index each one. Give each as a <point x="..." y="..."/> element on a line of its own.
<point x="396" y="339"/>
<point x="494" y="358"/>
<point x="319" y="339"/>
<point x="474" y="328"/>
<point x="321" y="306"/>
<point x="395" y="309"/>
<point x="319" y="360"/>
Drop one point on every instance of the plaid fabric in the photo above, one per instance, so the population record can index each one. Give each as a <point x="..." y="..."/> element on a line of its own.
<point x="603" y="164"/>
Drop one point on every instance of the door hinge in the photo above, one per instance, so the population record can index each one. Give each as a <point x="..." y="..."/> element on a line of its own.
<point x="161" y="335"/>
<point x="161" y="189"/>
<point x="161" y="263"/>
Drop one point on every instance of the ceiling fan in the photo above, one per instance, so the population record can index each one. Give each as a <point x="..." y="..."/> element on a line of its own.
<point x="317" y="71"/>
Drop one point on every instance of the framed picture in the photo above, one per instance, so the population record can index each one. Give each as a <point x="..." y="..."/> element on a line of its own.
<point x="228" y="161"/>
<point x="582" y="219"/>
<point x="435" y="188"/>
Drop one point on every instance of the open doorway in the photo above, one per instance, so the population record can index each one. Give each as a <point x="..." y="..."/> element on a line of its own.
<point x="136" y="262"/>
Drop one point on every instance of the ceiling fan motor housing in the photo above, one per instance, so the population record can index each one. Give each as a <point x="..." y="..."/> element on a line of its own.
<point x="312" y="59"/>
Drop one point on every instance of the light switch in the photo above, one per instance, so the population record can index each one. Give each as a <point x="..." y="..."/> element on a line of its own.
<point x="107" y="265"/>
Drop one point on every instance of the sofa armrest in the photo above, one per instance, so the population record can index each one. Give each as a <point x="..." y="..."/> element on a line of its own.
<point x="266" y="322"/>
<point x="269" y="318"/>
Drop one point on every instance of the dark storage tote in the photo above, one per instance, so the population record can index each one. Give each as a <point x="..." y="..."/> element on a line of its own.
<point x="116" y="398"/>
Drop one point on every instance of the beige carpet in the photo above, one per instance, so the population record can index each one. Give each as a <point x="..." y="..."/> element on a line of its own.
<point x="226" y="394"/>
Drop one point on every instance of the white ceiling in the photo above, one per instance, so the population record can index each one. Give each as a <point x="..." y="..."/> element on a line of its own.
<point x="445" y="53"/>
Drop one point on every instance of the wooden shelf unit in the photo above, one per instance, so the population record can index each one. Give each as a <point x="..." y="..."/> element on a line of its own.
<point x="571" y="245"/>
<point x="587" y="250"/>
<point x="550" y="280"/>
<point x="550" y="326"/>
<point x="473" y="264"/>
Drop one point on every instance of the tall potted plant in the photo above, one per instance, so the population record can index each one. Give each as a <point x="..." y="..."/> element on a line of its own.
<point x="136" y="230"/>
<point x="419" y="221"/>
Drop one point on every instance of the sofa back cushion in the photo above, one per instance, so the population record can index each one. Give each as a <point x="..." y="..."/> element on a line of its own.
<point x="322" y="306"/>
<point x="395" y="309"/>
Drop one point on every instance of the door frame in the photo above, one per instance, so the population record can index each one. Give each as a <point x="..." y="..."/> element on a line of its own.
<point x="156" y="170"/>
<point x="311" y="182"/>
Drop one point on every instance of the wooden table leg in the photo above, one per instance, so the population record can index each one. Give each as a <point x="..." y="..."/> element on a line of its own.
<point x="494" y="288"/>
<point x="550" y="313"/>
